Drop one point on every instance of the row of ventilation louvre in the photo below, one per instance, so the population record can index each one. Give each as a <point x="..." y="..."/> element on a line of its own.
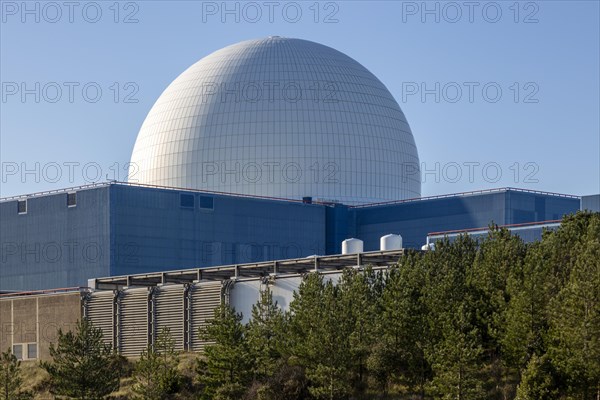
<point x="132" y="319"/>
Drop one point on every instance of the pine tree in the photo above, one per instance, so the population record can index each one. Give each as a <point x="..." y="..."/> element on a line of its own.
<point x="457" y="362"/>
<point x="147" y="384"/>
<point x="358" y="305"/>
<point x="10" y="377"/>
<point x="538" y="381"/>
<point x="156" y="375"/>
<point x="226" y="368"/>
<point x="83" y="366"/>
<point x="319" y="338"/>
<point x="305" y="318"/>
<point x="574" y="343"/>
<point x="499" y="253"/>
<point x="403" y="325"/>
<point x="265" y="335"/>
<point x="329" y="374"/>
<point x="456" y="354"/>
<point x="529" y="288"/>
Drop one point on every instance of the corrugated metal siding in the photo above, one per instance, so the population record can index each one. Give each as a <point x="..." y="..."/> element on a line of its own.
<point x="169" y="311"/>
<point x="133" y="321"/>
<point x="139" y="315"/>
<point x="101" y="312"/>
<point x="204" y="298"/>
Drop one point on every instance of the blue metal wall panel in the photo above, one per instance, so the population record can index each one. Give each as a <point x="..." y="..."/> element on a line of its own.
<point x="414" y="220"/>
<point x="591" y="203"/>
<point x="525" y="207"/>
<point x="151" y="231"/>
<point x="528" y="234"/>
<point x="122" y="229"/>
<point x="340" y="225"/>
<point x="52" y="245"/>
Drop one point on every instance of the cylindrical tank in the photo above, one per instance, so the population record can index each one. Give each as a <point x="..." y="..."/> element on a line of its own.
<point x="352" y="246"/>
<point x="390" y="242"/>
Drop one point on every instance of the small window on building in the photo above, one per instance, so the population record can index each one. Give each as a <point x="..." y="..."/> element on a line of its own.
<point x="31" y="351"/>
<point x="71" y="199"/>
<point x="22" y="206"/>
<point x="206" y="202"/>
<point x="186" y="200"/>
<point x="18" y="351"/>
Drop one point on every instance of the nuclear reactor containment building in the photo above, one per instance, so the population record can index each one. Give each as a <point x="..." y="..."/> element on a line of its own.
<point x="267" y="149"/>
<point x="279" y="117"/>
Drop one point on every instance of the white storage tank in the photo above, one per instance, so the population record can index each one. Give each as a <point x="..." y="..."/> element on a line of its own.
<point x="390" y="242"/>
<point x="352" y="246"/>
<point x="428" y="246"/>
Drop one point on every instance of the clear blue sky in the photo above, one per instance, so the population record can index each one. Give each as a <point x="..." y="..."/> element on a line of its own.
<point x="545" y="136"/>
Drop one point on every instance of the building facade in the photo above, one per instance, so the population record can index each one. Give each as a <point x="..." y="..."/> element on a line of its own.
<point x="62" y="239"/>
<point x="131" y="310"/>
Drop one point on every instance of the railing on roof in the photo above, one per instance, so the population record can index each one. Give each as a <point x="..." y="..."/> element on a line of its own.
<point x="55" y="191"/>
<point x="143" y="185"/>
<point x="261" y="269"/>
<point x="215" y="192"/>
<point x="384" y="203"/>
<point x="461" y="194"/>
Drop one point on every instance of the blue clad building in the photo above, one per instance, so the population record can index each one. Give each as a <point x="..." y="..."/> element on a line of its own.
<point x="62" y="239"/>
<point x="415" y="219"/>
<point x="118" y="229"/>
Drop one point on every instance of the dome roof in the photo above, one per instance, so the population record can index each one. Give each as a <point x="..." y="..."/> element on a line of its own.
<point x="279" y="117"/>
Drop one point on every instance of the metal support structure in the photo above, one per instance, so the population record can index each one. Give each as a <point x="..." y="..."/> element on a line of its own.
<point x="187" y="317"/>
<point x="133" y="312"/>
<point x="253" y="270"/>
<point x="117" y="321"/>
<point x="151" y="310"/>
<point x="226" y="290"/>
<point x="84" y="301"/>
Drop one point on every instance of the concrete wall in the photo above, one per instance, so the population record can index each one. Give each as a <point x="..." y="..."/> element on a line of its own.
<point x="36" y="320"/>
<point x="5" y="325"/>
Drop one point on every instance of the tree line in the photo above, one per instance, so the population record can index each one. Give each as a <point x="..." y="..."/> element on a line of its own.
<point x="490" y="319"/>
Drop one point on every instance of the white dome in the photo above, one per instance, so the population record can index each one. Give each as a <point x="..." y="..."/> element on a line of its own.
<point x="279" y="117"/>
